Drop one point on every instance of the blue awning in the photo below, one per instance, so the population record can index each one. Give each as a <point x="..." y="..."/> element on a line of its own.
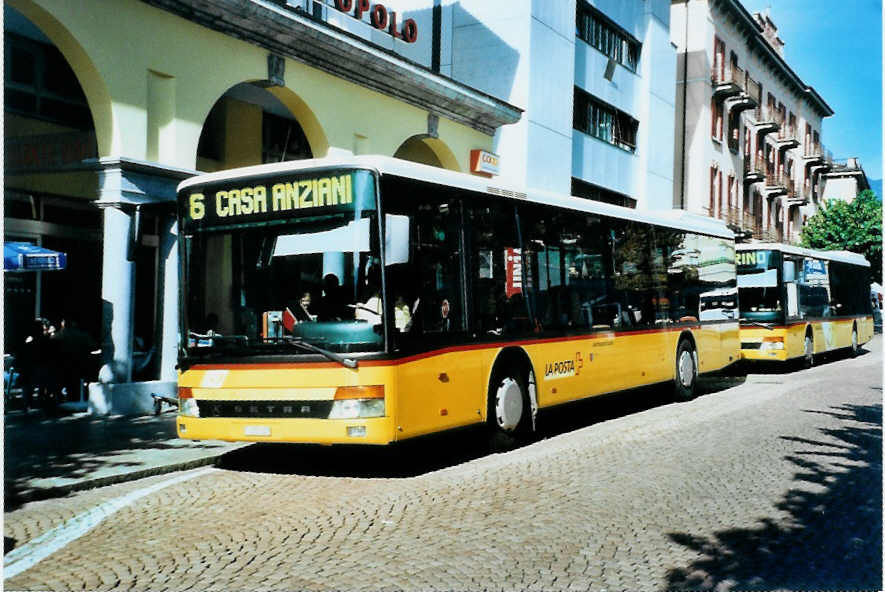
<point x="28" y="257"/>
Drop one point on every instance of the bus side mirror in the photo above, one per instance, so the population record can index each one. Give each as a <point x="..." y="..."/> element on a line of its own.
<point x="396" y="239"/>
<point x="789" y="271"/>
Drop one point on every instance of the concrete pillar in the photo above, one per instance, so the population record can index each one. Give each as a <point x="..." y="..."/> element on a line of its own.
<point x="168" y="347"/>
<point x="117" y="295"/>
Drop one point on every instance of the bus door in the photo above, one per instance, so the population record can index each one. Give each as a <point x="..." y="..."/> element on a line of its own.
<point x="636" y="291"/>
<point x="809" y="297"/>
<point x="438" y="383"/>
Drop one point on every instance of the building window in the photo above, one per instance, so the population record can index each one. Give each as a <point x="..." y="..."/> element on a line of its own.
<point x="715" y="206"/>
<point x="718" y="59"/>
<point x="596" y="193"/>
<point x="602" y="121"/>
<point x="716" y="119"/>
<point x="601" y="33"/>
<point x="39" y="83"/>
<point x="734" y="131"/>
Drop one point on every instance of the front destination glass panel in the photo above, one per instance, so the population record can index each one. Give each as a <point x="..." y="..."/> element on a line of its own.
<point x="273" y="265"/>
<point x="760" y="290"/>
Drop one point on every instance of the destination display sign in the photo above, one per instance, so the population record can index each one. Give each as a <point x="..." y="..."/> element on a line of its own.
<point x="747" y="260"/>
<point x="261" y="199"/>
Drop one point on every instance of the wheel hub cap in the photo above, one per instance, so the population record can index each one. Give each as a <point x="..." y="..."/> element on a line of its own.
<point x="686" y="369"/>
<point x="508" y="404"/>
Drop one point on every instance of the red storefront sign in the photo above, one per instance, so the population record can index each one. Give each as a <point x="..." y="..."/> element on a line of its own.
<point x="381" y="18"/>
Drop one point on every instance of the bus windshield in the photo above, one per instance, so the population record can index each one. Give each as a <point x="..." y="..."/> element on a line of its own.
<point x="307" y="281"/>
<point x="760" y="292"/>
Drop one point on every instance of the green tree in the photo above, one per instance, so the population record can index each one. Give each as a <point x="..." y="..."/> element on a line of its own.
<point x="852" y="226"/>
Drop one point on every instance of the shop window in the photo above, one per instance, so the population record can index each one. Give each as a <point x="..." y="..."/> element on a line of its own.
<point x="282" y="139"/>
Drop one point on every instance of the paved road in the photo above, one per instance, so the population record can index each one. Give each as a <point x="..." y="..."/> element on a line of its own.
<point x="769" y="482"/>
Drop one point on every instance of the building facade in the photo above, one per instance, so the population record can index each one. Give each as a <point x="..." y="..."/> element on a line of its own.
<point x="110" y="103"/>
<point x="748" y="129"/>
<point x="596" y="80"/>
<point x="844" y="180"/>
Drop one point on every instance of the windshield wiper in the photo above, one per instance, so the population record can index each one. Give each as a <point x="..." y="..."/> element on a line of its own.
<point x="219" y="337"/>
<point x="297" y="341"/>
<point x="770" y="327"/>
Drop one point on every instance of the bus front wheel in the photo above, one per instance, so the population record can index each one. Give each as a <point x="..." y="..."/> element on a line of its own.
<point x="686" y="371"/>
<point x="509" y="413"/>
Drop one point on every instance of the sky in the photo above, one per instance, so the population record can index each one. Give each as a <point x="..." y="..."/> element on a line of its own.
<point x="835" y="46"/>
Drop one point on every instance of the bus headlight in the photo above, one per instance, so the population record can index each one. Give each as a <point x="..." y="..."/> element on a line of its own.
<point x="353" y="402"/>
<point x="187" y="405"/>
<point x="357" y="408"/>
<point x="772" y="343"/>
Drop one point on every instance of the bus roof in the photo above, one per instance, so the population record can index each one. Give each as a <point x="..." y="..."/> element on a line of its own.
<point x="840" y="256"/>
<point x="385" y="165"/>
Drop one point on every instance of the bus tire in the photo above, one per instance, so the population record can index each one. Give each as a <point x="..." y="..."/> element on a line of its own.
<point x="808" y="350"/>
<point x="686" y="371"/>
<point x="509" y="410"/>
<point x="855" y="348"/>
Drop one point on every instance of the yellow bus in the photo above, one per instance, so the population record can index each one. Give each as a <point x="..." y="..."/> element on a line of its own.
<point x="372" y="300"/>
<point x="796" y="303"/>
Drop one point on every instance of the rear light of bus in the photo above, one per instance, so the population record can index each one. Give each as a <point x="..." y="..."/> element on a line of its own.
<point x="187" y="405"/>
<point x="769" y="343"/>
<point x="354" y="402"/>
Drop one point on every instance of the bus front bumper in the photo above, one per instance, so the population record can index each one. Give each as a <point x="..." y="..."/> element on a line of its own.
<point x="759" y="355"/>
<point x="380" y="430"/>
<point x="765" y="345"/>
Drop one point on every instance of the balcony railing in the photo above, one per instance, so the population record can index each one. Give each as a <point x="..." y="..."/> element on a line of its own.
<point x="787" y="132"/>
<point x="730" y="75"/>
<point x="754" y="90"/>
<point x="730" y="215"/>
<point x="775" y="179"/>
<point x="765" y="114"/>
<point x="769" y="235"/>
<point x="814" y="150"/>
<point x="757" y="165"/>
<point x="819" y="151"/>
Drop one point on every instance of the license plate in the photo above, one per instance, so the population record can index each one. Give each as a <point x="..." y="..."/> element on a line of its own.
<point x="257" y="430"/>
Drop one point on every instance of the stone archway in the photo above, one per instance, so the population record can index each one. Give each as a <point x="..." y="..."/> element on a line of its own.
<point x="93" y="85"/>
<point x="252" y="124"/>
<point x="427" y="150"/>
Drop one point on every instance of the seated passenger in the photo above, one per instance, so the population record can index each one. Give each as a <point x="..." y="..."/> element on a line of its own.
<point x="402" y="315"/>
<point x="331" y="307"/>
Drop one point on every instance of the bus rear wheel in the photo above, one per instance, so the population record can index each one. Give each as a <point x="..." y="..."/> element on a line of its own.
<point x="509" y="412"/>
<point x="686" y="371"/>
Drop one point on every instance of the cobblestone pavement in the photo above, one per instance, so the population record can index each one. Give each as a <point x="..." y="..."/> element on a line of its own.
<point x="768" y="483"/>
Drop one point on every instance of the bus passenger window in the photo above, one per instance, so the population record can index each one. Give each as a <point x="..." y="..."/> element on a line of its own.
<point x="429" y="284"/>
<point x="496" y="271"/>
